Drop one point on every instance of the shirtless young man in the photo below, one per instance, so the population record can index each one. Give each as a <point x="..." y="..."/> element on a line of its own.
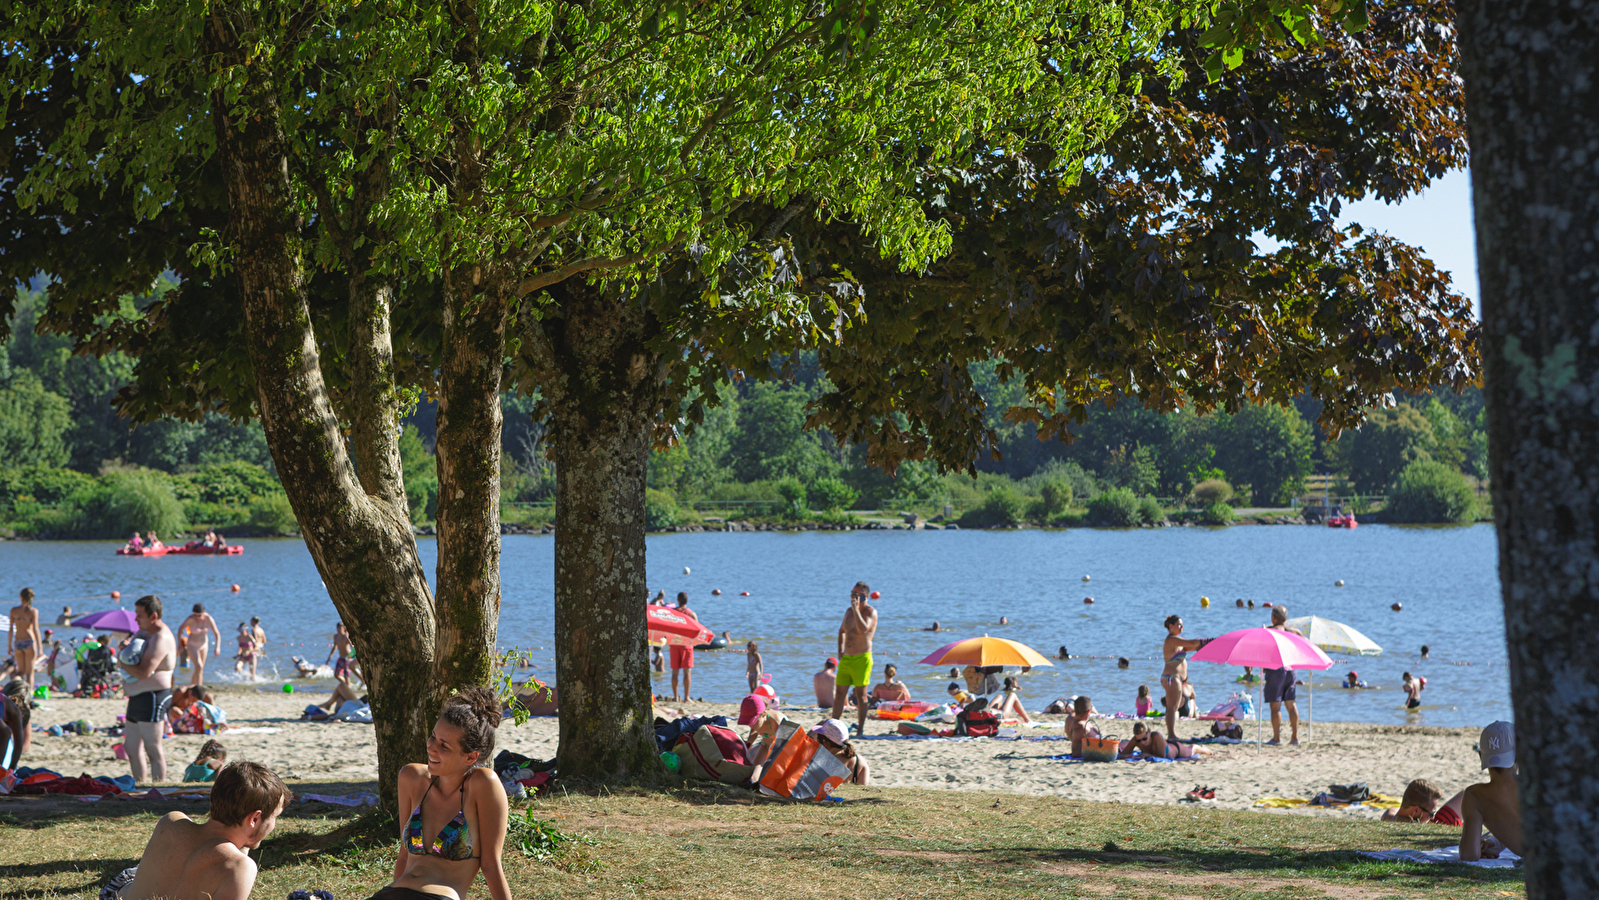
<point x="150" y="693"/>
<point x="1493" y="805"/>
<point x="198" y="623"/>
<point x="1077" y="726"/>
<point x="826" y="682"/>
<point x="186" y="860"/>
<point x="855" y="653"/>
<point x="23" y="641"/>
<point x="341" y="646"/>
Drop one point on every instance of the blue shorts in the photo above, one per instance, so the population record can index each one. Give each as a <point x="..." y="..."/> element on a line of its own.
<point x="1280" y="685"/>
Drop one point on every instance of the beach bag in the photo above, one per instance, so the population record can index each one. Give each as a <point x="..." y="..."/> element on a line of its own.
<point x="714" y="753"/>
<point x="1233" y="730"/>
<point x="801" y="769"/>
<point x="1101" y="749"/>
<point x="977" y="723"/>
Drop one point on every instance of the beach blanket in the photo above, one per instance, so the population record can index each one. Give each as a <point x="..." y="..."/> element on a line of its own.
<point x="1375" y="801"/>
<point x="253" y="729"/>
<point x="1069" y="759"/>
<point x="1449" y="854"/>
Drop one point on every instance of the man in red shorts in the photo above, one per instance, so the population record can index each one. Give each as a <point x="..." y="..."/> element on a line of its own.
<point x="683" y="657"/>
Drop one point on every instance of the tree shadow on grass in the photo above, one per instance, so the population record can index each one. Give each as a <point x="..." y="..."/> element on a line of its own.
<point x="99" y="871"/>
<point x="1337" y="865"/>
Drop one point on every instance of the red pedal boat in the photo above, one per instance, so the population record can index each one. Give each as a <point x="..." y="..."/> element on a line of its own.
<point x="1344" y="521"/>
<point x="192" y="548"/>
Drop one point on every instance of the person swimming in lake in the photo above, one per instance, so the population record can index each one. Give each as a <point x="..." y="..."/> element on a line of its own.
<point x="1062" y="654"/>
<point x="1413" y="688"/>
<point x="934" y="627"/>
<point x="1353" y="681"/>
<point x="1004" y="620"/>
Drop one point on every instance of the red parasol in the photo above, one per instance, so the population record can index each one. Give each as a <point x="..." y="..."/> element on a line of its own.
<point x="673" y="627"/>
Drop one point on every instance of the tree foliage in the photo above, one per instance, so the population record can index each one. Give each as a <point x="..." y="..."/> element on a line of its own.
<point x="1427" y="491"/>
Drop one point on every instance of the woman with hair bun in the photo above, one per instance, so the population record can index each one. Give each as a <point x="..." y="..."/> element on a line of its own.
<point x="458" y="808"/>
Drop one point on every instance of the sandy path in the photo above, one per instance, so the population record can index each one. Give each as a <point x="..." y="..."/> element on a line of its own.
<point x="1384" y="756"/>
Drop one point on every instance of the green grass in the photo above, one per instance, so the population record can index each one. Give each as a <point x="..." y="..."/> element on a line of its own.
<point x="722" y="842"/>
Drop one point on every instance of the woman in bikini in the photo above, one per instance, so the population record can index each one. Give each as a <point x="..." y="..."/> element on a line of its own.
<point x="1175" y="651"/>
<point x="1008" y="704"/>
<point x="458" y="808"/>
<point x="1149" y="742"/>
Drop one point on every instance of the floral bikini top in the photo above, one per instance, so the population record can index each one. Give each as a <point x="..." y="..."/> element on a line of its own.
<point x="454" y="840"/>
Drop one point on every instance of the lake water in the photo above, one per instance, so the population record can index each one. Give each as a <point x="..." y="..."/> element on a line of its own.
<point x="799" y="587"/>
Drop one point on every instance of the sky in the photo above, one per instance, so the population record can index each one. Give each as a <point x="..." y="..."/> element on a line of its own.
<point x="1438" y="220"/>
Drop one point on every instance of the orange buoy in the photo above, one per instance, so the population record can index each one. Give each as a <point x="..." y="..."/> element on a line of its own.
<point x="1397" y="607"/>
<point x="235" y="589"/>
<point x="877" y="595"/>
<point x="1267" y="604"/>
<point x="716" y="592"/>
<point x="744" y="593"/>
<point x="116" y="595"/>
<point x="1088" y="599"/>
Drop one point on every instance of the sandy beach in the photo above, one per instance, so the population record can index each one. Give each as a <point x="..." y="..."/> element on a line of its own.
<point x="1386" y="757"/>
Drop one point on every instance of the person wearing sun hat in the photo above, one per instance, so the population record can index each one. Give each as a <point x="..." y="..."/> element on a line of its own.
<point x="1494" y="805"/>
<point x="833" y="735"/>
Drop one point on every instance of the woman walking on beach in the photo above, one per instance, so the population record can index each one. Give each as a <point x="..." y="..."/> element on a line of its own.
<point x="458" y="808"/>
<point x="1175" y="651"/>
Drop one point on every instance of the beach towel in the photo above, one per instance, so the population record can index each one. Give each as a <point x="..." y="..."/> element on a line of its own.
<point x="1449" y="854"/>
<point x="1154" y="759"/>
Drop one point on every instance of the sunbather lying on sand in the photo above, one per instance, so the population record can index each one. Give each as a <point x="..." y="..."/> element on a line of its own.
<point x="1146" y="742"/>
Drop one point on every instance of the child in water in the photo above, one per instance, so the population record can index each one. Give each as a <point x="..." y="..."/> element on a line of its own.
<point x="752" y="667"/>
<point x="1143" y="703"/>
<point x="1413" y="687"/>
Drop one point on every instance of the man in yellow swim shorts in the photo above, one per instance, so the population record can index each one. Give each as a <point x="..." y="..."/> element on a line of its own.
<point x="855" y="653"/>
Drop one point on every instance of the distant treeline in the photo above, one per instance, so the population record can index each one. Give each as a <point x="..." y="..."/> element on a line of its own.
<point x="70" y="467"/>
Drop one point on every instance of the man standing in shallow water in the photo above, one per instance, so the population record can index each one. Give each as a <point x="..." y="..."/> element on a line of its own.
<point x="855" y="653"/>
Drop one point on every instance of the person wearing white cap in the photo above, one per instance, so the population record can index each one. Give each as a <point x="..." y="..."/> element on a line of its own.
<point x="1493" y="805"/>
<point x="833" y="735"/>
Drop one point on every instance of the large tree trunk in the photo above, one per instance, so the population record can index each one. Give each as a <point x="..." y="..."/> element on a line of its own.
<point x="362" y="546"/>
<point x="468" y="446"/>
<point x="601" y="382"/>
<point x="1533" y="113"/>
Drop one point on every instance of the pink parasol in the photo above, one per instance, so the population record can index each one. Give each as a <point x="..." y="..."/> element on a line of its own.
<point x="677" y="629"/>
<point x="1268" y="648"/>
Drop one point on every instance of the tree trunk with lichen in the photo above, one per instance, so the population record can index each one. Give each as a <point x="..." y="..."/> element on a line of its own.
<point x="601" y="383"/>
<point x="357" y="529"/>
<point x="1533" y="112"/>
<point x="468" y="601"/>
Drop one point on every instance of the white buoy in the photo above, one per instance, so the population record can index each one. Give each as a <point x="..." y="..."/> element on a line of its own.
<point x="685" y="570"/>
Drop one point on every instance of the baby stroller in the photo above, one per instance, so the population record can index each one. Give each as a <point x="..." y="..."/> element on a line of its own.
<point x="97" y="674"/>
